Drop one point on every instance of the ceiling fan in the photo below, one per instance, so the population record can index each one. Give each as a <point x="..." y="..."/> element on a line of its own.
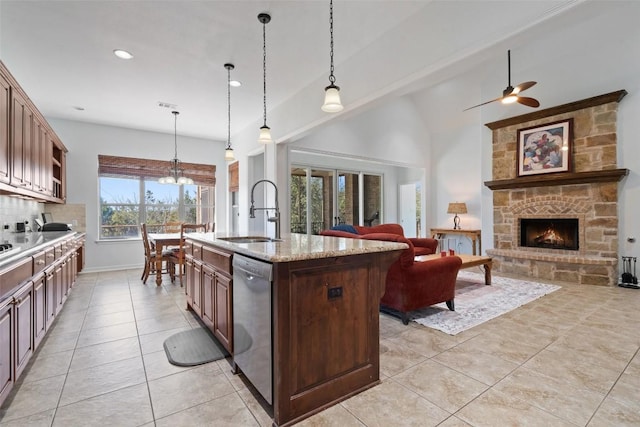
<point x="511" y="94"/>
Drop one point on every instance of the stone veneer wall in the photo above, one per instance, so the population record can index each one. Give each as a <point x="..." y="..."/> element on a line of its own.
<point x="594" y="204"/>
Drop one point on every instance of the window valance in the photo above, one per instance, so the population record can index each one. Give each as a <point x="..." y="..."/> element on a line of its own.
<point x="132" y="167"/>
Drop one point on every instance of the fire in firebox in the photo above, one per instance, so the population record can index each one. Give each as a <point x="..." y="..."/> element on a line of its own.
<point x="555" y="233"/>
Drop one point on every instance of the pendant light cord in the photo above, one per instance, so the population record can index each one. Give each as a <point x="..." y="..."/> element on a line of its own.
<point x="229" y="106"/>
<point x="264" y="70"/>
<point x="175" y="134"/>
<point x="332" y="78"/>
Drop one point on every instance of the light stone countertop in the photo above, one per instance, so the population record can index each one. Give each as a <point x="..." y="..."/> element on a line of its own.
<point x="298" y="247"/>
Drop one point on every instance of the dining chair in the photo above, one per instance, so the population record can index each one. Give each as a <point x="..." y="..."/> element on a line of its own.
<point x="177" y="257"/>
<point x="150" y="258"/>
<point x="172" y="227"/>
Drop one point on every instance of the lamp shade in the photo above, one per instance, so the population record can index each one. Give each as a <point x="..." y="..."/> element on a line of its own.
<point x="265" y="135"/>
<point x="457" y="208"/>
<point x="332" y="102"/>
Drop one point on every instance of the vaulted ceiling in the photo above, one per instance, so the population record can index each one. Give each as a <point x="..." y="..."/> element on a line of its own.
<point x="62" y="54"/>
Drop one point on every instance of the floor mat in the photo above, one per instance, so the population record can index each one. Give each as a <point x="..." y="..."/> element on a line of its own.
<point x="193" y="347"/>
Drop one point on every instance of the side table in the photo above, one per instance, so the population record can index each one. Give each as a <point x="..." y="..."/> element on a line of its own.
<point x="474" y="235"/>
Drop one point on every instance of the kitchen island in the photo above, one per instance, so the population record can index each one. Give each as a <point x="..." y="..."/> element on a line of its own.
<point x="324" y="299"/>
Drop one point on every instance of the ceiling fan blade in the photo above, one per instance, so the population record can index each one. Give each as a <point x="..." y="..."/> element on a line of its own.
<point x="530" y="102"/>
<point x="484" y="103"/>
<point x="522" y="87"/>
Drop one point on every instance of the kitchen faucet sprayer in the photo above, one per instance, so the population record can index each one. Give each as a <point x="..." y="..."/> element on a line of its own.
<point x="252" y="210"/>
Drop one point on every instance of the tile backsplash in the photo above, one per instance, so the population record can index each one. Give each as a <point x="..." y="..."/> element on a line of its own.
<point x="14" y="209"/>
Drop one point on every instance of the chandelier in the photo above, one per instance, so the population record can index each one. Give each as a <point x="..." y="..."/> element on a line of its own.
<point x="175" y="170"/>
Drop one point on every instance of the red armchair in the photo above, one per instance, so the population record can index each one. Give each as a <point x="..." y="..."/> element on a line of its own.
<point x="411" y="285"/>
<point x="422" y="246"/>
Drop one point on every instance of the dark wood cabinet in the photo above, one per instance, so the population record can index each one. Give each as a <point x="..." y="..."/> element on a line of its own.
<point x="209" y="288"/>
<point x="7" y="378"/>
<point x="32" y="292"/>
<point x="32" y="157"/>
<point x="326" y="331"/>
<point x="223" y="312"/>
<point x="21" y="142"/>
<point x="23" y="304"/>
<point x="39" y="309"/>
<point x="5" y="101"/>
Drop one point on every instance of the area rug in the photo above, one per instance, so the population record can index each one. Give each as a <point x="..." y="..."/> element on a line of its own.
<point x="475" y="302"/>
<point x="193" y="347"/>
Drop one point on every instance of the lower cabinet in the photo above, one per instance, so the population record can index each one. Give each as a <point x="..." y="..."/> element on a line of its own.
<point x="39" y="309"/>
<point x="209" y="291"/>
<point x="223" y="321"/>
<point x="16" y="336"/>
<point x="23" y="304"/>
<point x="33" y="291"/>
<point x="7" y="338"/>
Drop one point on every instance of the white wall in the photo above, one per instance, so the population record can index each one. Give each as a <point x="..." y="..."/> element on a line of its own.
<point x="393" y="134"/>
<point x="85" y="141"/>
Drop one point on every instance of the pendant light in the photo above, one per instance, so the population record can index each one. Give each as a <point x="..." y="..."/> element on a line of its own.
<point x="175" y="171"/>
<point x="265" y="131"/>
<point x="228" y="152"/>
<point x="332" y="102"/>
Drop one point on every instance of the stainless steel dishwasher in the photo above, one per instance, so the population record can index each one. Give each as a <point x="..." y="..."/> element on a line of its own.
<point x="252" y="329"/>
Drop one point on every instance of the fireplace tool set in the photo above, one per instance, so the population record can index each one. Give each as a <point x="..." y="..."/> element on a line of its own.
<point x="629" y="280"/>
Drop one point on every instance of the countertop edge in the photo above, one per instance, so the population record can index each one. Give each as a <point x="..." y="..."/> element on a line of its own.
<point x="299" y="247"/>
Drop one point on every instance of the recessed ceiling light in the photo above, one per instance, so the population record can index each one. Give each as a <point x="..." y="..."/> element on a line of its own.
<point x="235" y="83"/>
<point x="122" y="54"/>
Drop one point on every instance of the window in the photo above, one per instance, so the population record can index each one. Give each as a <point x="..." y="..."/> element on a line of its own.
<point x="318" y="201"/>
<point x="130" y="194"/>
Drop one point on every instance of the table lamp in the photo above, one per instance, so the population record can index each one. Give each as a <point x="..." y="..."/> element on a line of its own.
<point x="457" y="208"/>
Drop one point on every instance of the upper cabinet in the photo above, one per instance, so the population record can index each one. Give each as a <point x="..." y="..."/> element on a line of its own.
<point x="32" y="157"/>
<point x="5" y="100"/>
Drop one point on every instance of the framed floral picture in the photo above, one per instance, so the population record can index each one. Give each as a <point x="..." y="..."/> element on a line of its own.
<point x="545" y="149"/>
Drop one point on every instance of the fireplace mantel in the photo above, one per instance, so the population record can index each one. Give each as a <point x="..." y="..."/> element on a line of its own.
<point x="562" y="178"/>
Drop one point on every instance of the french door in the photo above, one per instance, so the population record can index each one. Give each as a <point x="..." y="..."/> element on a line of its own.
<point x="322" y="198"/>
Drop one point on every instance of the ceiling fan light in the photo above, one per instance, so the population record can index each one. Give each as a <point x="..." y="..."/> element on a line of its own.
<point x="332" y="102"/>
<point x="509" y="99"/>
<point x="265" y="135"/>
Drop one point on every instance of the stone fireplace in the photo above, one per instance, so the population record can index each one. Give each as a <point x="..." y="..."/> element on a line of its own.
<point x="570" y="218"/>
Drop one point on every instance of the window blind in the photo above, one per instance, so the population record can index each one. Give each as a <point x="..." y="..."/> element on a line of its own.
<point x="131" y="167"/>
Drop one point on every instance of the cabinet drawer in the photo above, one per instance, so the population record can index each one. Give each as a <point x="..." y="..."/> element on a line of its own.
<point x="14" y="275"/>
<point x="196" y="251"/>
<point x="39" y="262"/>
<point x="217" y="259"/>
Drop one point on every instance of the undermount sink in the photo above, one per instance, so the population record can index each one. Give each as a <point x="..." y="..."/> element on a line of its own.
<point x="249" y="239"/>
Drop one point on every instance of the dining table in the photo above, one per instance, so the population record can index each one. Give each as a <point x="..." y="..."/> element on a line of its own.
<point x="159" y="241"/>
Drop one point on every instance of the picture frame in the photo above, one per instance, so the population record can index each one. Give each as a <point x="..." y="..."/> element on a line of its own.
<point x="545" y="148"/>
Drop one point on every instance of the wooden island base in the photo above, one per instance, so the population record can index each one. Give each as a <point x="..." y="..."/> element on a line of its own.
<point x="325" y="297"/>
<point x="326" y="331"/>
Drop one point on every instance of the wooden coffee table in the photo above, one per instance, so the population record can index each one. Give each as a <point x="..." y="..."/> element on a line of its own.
<point x="468" y="261"/>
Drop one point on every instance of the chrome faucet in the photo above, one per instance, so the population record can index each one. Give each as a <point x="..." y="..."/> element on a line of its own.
<point x="252" y="210"/>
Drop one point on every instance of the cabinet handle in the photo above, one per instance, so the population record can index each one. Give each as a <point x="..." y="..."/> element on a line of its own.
<point x="50" y="255"/>
<point x="196" y="250"/>
<point x="16" y="301"/>
<point x="40" y="262"/>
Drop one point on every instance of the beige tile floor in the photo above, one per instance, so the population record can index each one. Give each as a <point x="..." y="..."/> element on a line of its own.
<point x="568" y="359"/>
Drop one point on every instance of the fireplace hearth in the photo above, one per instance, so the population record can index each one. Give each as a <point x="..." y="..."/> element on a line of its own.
<point x="550" y="233"/>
